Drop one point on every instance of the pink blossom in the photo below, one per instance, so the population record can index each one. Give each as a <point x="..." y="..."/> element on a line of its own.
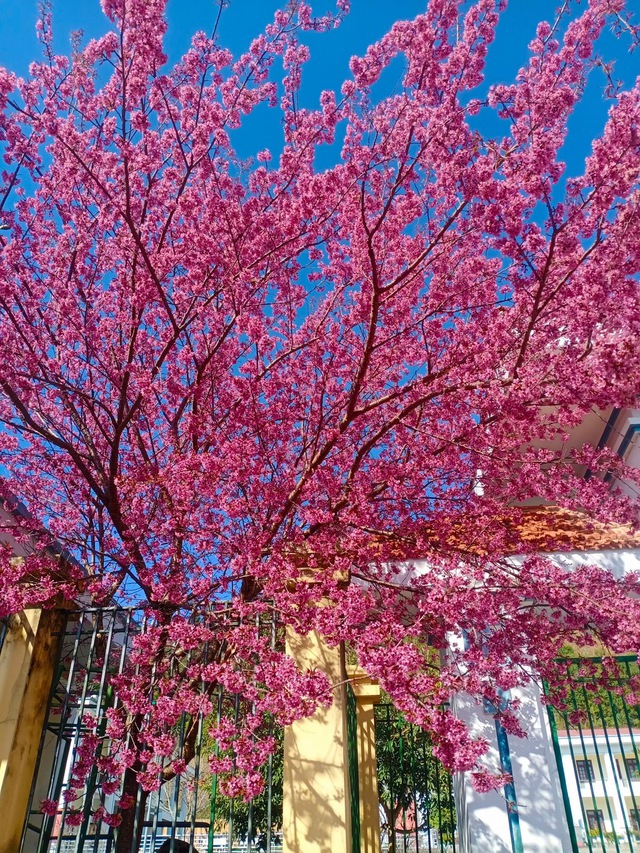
<point x="49" y="807"/>
<point x="326" y="389"/>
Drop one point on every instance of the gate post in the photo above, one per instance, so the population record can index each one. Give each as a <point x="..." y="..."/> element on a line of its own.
<point x="27" y="664"/>
<point x="316" y="804"/>
<point x="367" y="693"/>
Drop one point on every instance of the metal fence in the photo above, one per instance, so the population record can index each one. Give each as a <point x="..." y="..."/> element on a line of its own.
<point x="595" y="726"/>
<point x="352" y="755"/>
<point x="93" y="648"/>
<point x="416" y="792"/>
<point x="4" y="624"/>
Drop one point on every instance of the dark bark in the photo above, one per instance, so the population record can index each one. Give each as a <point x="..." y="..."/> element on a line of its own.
<point x="128" y="835"/>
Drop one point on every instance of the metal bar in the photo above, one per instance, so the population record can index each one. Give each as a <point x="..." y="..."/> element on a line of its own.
<point x="577" y="778"/>
<point x="100" y="728"/>
<point x="236" y="716"/>
<point x="509" y="788"/>
<point x="623" y="753"/>
<point x="563" y="782"/>
<point x="120" y="668"/>
<point x="269" y="792"/>
<point x="196" y="786"/>
<point x="401" y="749"/>
<point x="352" y="758"/>
<point x="630" y="661"/>
<point x="140" y="809"/>
<point x="392" y="798"/>
<point x="250" y="827"/>
<point x="600" y="768"/>
<point x="214" y="784"/>
<point x="250" y="806"/>
<point x="403" y="789"/>
<point x="176" y="783"/>
<point x="427" y="766"/>
<point x="92" y="786"/>
<point x="452" y="814"/>
<point x="438" y="795"/>
<point x="270" y="759"/>
<point x="79" y="723"/>
<point x="136" y="819"/>
<point x="615" y="774"/>
<point x="414" y="785"/>
<point x="589" y="779"/>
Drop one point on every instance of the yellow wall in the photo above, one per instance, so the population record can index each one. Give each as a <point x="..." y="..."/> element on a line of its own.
<point x="367" y="694"/>
<point x="27" y="662"/>
<point x="316" y="816"/>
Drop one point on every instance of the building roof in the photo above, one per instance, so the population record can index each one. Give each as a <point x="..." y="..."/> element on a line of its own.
<point x="554" y="529"/>
<point x="545" y="529"/>
<point x="521" y="530"/>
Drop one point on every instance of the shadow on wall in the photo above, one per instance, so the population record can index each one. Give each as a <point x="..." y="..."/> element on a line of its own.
<point x="484" y="839"/>
<point x="317" y="788"/>
<point x="483" y="819"/>
<point x="541" y="807"/>
<point x="316" y="810"/>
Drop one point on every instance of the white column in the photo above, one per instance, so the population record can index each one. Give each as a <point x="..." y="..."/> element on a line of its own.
<point x="483" y="823"/>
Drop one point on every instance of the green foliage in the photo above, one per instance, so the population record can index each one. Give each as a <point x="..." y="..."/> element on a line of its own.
<point x="413" y="787"/>
<point x="611" y="837"/>
<point x="597" y="692"/>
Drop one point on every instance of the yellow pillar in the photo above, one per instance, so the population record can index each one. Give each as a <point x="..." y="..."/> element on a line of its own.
<point x="367" y="693"/>
<point x="316" y="816"/>
<point x="27" y="662"/>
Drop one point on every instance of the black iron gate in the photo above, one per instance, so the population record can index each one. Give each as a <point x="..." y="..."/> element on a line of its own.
<point x="94" y="647"/>
<point x="416" y="799"/>
<point x="417" y="811"/>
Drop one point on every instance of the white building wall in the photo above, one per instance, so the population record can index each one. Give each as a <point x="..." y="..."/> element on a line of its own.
<point x="626" y="442"/>
<point x="611" y="790"/>
<point x="482" y="818"/>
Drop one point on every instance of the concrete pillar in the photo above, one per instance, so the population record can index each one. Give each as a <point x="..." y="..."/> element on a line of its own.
<point x="27" y="663"/>
<point x="483" y="819"/>
<point x="315" y="814"/>
<point x="367" y="693"/>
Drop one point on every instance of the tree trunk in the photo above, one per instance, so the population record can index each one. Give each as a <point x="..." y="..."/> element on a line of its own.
<point x="389" y="814"/>
<point x="128" y="835"/>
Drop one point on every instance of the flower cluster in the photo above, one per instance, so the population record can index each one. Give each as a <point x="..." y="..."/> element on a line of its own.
<point x="241" y="387"/>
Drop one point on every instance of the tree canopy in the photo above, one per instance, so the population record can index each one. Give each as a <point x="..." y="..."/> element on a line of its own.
<point x="231" y="388"/>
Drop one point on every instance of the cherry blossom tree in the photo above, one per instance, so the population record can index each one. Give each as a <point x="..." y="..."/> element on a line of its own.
<point x="235" y="388"/>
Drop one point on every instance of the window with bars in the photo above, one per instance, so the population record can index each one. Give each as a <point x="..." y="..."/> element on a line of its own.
<point x="598" y="719"/>
<point x="595" y="819"/>
<point x="633" y="769"/>
<point x="584" y="770"/>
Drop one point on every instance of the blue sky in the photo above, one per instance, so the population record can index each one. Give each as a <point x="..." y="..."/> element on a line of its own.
<point x="369" y="19"/>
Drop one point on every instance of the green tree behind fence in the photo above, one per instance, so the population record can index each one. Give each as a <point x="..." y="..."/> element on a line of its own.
<point x="414" y="789"/>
